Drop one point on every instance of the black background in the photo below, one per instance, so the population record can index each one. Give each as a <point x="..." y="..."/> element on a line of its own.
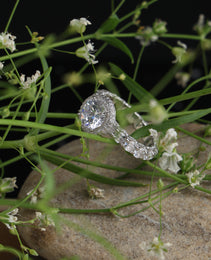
<point x="54" y="16"/>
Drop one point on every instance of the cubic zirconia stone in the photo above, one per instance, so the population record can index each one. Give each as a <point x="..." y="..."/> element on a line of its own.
<point x="92" y="114"/>
<point x="131" y="144"/>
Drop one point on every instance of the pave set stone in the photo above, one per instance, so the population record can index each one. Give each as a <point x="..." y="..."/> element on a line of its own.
<point x="98" y="115"/>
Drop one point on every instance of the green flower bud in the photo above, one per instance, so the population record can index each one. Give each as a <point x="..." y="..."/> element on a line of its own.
<point x="157" y="112"/>
<point x="160" y="184"/>
<point x="5" y="113"/>
<point x="30" y="143"/>
<point x="159" y="27"/>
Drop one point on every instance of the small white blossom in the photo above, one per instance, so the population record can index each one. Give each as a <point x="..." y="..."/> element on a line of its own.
<point x="156" y="248"/>
<point x="96" y="193"/>
<point x="182" y="78"/>
<point x="147" y="36"/>
<point x="202" y="27"/>
<point x="181" y="44"/>
<point x="12" y="218"/>
<point x="44" y="221"/>
<point x="168" y="142"/>
<point x="79" y="25"/>
<point x="194" y="178"/>
<point x="26" y="83"/>
<point x="179" y="52"/>
<point x="1" y="65"/>
<point x="7" y="185"/>
<point x="36" y="195"/>
<point x="86" y="51"/>
<point x="169" y="161"/>
<point x="7" y="41"/>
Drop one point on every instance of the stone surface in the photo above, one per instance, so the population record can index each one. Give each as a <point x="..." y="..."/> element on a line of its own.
<point x="186" y="220"/>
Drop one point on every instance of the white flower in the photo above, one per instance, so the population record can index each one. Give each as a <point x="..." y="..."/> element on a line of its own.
<point x="7" y="41"/>
<point x="147" y="36"/>
<point x="156" y="248"/>
<point x="85" y="53"/>
<point x="1" y="65"/>
<point x="7" y="185"/>
<point x="44" y="220"/>
<point x="79" y="25"/>
<point x="11" y="218"/>
<point x="96" y="193"/>
<point x="168" y="142"/>
<point x="168" y="161"/>
<point x="36" y="195"/>
<point x="26" y="83"/>
<point x="194" y="178"/>
<point x="182" y="78"/>
<point x="202" y="27"/>
<point x="179" y="52"/>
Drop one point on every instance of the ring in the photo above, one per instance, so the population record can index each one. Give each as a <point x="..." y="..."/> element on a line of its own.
<point x="98" y="116"/>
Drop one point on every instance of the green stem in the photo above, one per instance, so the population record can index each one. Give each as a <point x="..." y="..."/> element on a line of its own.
<point x="49" y="115"/>
<point x="194" y="136"/>
<point x="138" y="62"/>
<point x="12" y="121"/>
<point x="118" y="7"/>
<point x="54" y="128"/>
<point x="167" y="174"/>
<point x="11" y="15"/>
<point x="188" y="88"/>
<point x="181" y="36"/>
<point x="134" y="11"/>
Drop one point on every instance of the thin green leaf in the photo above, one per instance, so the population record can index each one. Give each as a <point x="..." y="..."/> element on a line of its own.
<point x="57" y="129"/>
<point x="137" y="90"/>
<point x="42" y="113"/>
<point x="119" y="45"/>
<point x="109" y="25"/>
<point x="171" y="123"/>
<point x="88" y="174"/>
<point x="190" y="95"/>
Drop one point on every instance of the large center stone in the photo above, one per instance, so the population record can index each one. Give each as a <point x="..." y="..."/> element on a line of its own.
<point x="92" y="114"/>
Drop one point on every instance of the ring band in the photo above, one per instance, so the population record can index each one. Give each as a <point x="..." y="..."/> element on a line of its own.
<point x="98" y="116"/>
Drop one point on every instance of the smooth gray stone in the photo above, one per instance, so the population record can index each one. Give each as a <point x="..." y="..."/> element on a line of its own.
<point x="186" y="219"/>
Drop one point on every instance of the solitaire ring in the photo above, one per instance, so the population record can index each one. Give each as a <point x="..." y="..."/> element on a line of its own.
<point x="98" y="116"/>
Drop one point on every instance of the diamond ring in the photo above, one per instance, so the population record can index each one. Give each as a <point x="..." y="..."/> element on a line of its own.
<point x="98" y="116"/>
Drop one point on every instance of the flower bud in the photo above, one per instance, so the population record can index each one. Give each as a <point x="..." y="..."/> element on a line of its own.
<point x="160" y="184"/>
<point x="5" y="113"/>
<point x="159" y="27"/>
<point x="157" y="112"/>
<point x="30" y="142"/>
<point x="79" y="25"/>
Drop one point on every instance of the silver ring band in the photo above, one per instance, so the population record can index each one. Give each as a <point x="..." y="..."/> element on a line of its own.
<point x="98" y="116"/>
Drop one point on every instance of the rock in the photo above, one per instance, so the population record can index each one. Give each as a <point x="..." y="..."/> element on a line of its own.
<point x="185" y="223"/>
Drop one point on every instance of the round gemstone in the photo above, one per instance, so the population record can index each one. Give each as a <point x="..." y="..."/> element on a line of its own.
<point x="92" y="114"/>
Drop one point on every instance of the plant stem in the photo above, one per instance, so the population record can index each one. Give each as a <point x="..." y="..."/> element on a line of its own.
<point x="11" y="16"/>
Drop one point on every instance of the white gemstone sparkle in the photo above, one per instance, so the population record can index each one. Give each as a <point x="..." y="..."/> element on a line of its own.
<point x="92" y="114"/>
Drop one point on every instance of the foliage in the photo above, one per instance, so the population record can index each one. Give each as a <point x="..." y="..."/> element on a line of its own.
<point x="25" y="104"/>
